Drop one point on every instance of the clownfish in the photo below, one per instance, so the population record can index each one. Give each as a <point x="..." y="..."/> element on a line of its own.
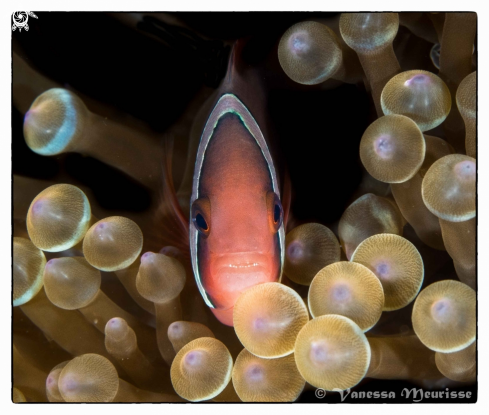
<point x="236" y="235"/>
<point x="236" y="227"/>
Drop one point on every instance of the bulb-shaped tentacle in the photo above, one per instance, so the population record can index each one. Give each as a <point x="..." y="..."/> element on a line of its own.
<point x="88" y="378"/>
<point x="120" y="339"/>
<point x="28" y="378"/>
<point x="121" y="343"/>
<point x="392" y="149"/>
<point x="459" y="366"/>
<point x="59" y="122"/>
<point x="448" y="188"/>
<point x="332" y="352"/>
<point x="419" y="95"/>
<point x="114" y="244"/>
<point x="457" y="43"/>
<point x="397" y="264"/>
<point x="371" y="35"/>
<point x="161" y="279"/>
<point x="52" y="389"/>
<point x="58" y="218"/>
<point x="28" y="268"/>
<point x="309" y="248"/>
<point x="182" y="332"/>
<point x="73" y="284"/>
<point x="309" y="53"/>
<point x="202" y="369"/>
<point x="347" y="289"/>
<point x="367" y="216"/>
<point x="459" y="239"/>
<point x="444" y="316"/>
<point x="266" y="380"/>
<point x="410" y="200"/>
<point x="401" y="357"/>
<point x="267" y="319"/>
<point x="467" y="105"/>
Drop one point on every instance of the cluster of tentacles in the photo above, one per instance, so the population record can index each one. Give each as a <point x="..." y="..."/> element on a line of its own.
<point x="354" y="301"/>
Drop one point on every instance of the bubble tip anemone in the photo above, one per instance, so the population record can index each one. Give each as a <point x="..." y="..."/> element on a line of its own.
<point x="309" y="53"/>
<point x="444" y="316"/>
<point x="58" y="218"/>
<point x="347" y="289"/>
<point x="201" y="370"/>
<point x="113" y="246"/>
<point x="332" y="353"/>
<point x="449" y="186"/>
<point x="267" y="317"/>
<point x="28" y="267"/>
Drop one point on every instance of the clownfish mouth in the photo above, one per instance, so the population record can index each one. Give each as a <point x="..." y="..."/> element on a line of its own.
<point x="240" y="261"/>
<point x="231" y="274"/>
<point x="245" y="265"/>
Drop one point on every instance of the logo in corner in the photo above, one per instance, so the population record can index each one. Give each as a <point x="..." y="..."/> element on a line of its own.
<point x="20" y="20"/>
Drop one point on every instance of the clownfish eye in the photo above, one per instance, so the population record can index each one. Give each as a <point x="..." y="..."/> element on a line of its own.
<point x="275" y="211"/>
<point x="200" y="222"/>
<point x="201" y="216"/>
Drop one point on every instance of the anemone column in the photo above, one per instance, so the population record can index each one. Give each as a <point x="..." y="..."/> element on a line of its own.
<point x="457" y="45"/>
<point x="371" y="36"/>
<point x="161" y="279"/>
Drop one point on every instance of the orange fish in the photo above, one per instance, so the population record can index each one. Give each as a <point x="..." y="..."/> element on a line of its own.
<point x="237" y="232"/>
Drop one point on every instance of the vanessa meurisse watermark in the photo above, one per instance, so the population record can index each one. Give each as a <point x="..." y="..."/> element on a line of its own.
<point x="413" y="394"/>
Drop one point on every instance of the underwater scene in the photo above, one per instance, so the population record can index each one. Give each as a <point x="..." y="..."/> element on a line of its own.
<point x="244" y="207"/>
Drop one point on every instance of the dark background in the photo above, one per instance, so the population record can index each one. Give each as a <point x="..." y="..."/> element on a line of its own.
<point x="153" y="80"/>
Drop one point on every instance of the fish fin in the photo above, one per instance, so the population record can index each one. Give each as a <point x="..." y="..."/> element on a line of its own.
<point x="236" y="63"/>
<point x="171" y="225"/>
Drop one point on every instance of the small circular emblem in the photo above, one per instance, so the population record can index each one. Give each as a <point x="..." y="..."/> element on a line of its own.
<point x="20" y="20"/>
